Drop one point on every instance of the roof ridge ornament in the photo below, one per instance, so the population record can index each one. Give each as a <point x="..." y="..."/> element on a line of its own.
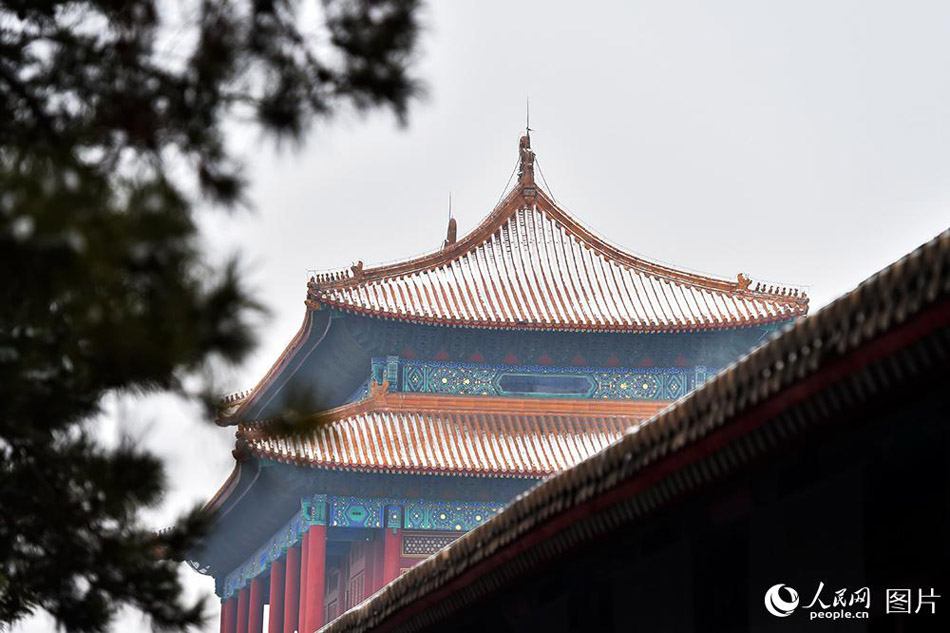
<point x="379" y="390"/>
<point x="451" y="232"/>
<point x="526" y="165"/>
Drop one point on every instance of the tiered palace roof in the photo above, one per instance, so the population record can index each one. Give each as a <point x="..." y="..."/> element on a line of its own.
<point x="529" y="265"/>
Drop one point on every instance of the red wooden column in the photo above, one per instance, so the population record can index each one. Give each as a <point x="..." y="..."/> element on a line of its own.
<point x="275" y="620"/>
<point x="291" y="592"/>
<point x="313" y="559"/>
<point x="255" y="610"/>
<point x="229" y="615"/>
<point x="392" y="544"/>
<point x="302" y="594"/>
<point x="242" y="611"/>
<point x="316" y="576"/>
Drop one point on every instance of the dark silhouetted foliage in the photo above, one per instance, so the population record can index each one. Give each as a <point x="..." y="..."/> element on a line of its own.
<point x="112" y="120"/>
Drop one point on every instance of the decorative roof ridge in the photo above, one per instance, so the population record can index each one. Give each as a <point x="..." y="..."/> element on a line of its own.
<point x="743" y="285"/>
<point x="231" y="407"/>
<point x="215" y="502"/>
<point x="527" y="195"/>
<point x="342" y="277"/>
<point x="382" y="400"/>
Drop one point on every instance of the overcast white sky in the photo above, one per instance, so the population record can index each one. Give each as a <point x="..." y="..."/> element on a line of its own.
<point x="802" y="142"/>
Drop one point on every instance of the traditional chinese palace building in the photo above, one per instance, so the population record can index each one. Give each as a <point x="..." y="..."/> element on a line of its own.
<point x="419" y="398"/>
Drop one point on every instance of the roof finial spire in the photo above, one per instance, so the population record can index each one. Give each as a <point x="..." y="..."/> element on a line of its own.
<point x="527" y="117"/>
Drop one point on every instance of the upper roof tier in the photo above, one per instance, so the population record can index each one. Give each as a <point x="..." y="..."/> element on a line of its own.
<point x="529" y="264"/>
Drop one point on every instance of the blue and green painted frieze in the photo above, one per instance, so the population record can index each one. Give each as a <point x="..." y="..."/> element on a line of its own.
<point x="470" y="379"/>
<point x="416" y="515"/>
<point x="312" y="512"/>
<point x="358" y="512"/>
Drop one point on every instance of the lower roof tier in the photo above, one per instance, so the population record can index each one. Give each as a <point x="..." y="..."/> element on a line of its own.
<point x="460" y="435"/>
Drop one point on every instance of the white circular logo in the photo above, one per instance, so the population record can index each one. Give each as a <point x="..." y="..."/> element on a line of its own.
<point x="777" y="605"/>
